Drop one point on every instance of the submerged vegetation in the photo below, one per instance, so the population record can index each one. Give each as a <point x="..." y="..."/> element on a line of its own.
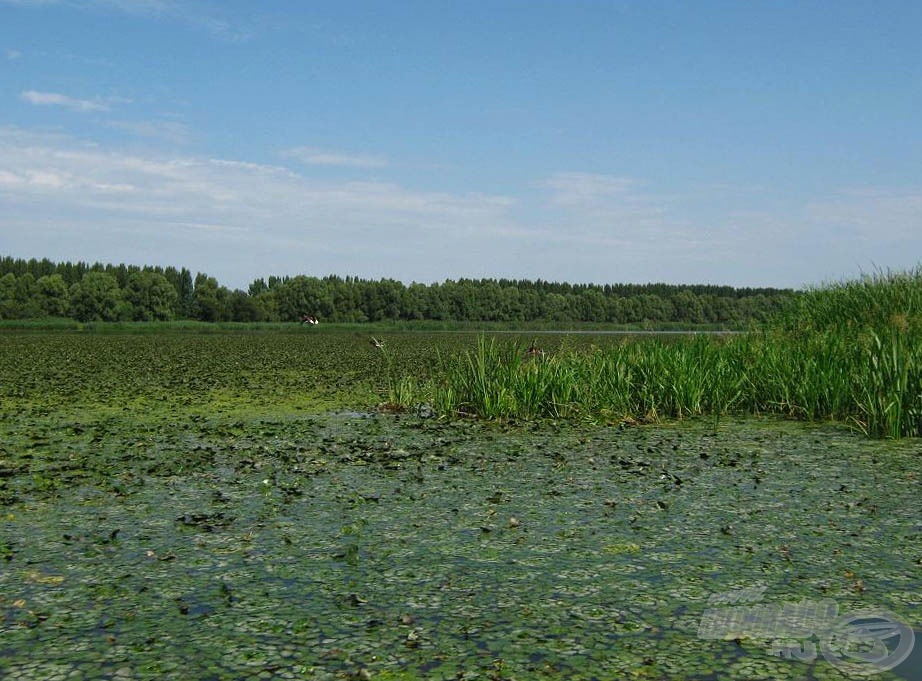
<point x="851" y="352"/>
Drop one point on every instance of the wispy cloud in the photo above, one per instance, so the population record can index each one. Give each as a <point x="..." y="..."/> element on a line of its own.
<point x="135" y="6"/>
<point x="67" y="199"/>
<point x="324" y="157"/>
<point x="871" y="213"/>
<point x="80" y="105"/>
<point x="259" y="219"/>
<point x="130" y="6"/>
<point x="727" y="233"/>
<point x="611" y="208"/>
<point x="573" y="189"/>
<point x="13" y="55"/>
<point x="182" y="11"/>
<point x="174" y="132"/>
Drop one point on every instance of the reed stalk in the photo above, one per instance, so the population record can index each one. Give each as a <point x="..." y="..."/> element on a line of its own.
<point x="849" y="352"/>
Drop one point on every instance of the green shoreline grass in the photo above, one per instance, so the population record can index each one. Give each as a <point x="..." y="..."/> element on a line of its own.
<point x="850" y="352"/>
<point x="192" y="326"/>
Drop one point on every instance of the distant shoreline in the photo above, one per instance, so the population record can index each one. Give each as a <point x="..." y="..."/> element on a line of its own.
<point x="504" y="328"/>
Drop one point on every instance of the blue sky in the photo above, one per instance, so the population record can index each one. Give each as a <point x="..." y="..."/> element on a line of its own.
<point x="751" y="143"/>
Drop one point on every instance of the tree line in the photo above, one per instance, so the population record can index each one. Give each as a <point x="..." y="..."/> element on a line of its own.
<point x="34" y="289"/>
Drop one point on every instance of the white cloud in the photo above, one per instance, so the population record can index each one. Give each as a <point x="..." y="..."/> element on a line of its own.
<point x="610" y="209"/>
<point x="174" y="132"/>
<point x="178" y="10"/>
<point x="79" y="105"/>
<point x="135" y="6"/>
<point x="574" y="189"/>
<point x="870" y="213"/>
<point x="67" y="199"/>
<point x="130" y="6"/>
<point x="13" y="55"/>
<point x="725" y="233"/>
<point x="314" y="156"/>
<point x="234" y="219"/>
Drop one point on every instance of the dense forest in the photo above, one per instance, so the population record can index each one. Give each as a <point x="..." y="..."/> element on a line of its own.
<point x="35" y="289"/>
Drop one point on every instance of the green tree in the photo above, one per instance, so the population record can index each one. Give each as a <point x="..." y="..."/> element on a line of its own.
<point x="687" y="307"/>
<point x="652" y="308"/>
<point x="304" y="295"/>
<point x="243" y="308"/>
<point x="629" y="310"/>
<point x="458" y="300"/>
<point x="258" y="286"/>
<point x="26" y="301"/>
<point x="413" y="302"/>
<point x="435" y="306"/>
<point x="8" y="296"/>
<point x="96" y="298"/>
<point x="207" y="305"/>
<point x="345" y="302"/>
<point x="511" y="308"/>
<point x="381" y="299"/>
<point x="487" y="300"/>
<point x="151" y="295"/>
<point x="557" y="308"/>
<point x="267" y="304"/>
<point x="185" y="291"/>
<point x="592" y="306"/>
<point x="53" y="296"/>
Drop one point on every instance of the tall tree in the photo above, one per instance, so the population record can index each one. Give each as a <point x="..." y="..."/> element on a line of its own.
<point x="185" y="291"/>
<point x="26" y="300"/>
<point x="8" y="307"/>
<point x="206" y="298"/>
<point x="151" y="295"/>
<point x="53" y="296"/>
<point x="96" y="298"/>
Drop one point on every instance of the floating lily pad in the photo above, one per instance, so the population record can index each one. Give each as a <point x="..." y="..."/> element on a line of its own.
<point x="243" y="538"/>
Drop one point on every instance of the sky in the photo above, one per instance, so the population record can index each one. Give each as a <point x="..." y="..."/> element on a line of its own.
<point x="748" y="143"/>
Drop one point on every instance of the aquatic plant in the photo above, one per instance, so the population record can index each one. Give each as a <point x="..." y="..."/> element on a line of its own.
<point x="850" y="352"/>
<point x="185" y="505"/>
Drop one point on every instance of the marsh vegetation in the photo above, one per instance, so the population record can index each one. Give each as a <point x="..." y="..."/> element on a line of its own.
<point x="851" y="352"/>
<point x="216" y="504"/>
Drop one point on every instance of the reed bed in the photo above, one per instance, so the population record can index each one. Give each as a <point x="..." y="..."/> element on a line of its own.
<point x="849" y="352"/>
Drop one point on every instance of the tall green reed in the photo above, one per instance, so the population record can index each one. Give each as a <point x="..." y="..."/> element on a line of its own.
<point x="890" y="393"/>
<point x="851" y="352"/>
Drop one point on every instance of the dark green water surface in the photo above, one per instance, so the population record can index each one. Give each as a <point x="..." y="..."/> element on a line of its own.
<point x="391" y="547"/>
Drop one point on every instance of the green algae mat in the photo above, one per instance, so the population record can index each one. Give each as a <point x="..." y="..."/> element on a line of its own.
<point x="202" y="522"/>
